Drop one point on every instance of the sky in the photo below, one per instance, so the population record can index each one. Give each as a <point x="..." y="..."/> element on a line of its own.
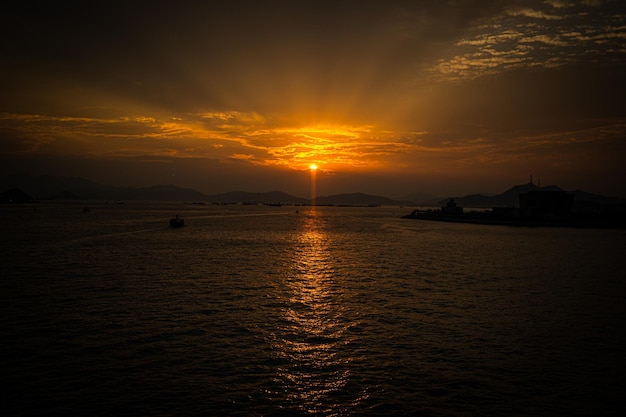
<point x="447" y="97"/>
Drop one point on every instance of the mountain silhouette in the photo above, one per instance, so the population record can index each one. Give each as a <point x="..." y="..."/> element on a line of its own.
<point x="15" y="196"/>
<point x="356" y="199"/>
<point x="583" y="201"/>
<point x="272" y="197"/>
<point x="48" y="187"/>
<point x="29" y="188"/>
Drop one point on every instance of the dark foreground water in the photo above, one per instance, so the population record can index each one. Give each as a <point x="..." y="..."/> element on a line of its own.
<point x="265" y="311"/>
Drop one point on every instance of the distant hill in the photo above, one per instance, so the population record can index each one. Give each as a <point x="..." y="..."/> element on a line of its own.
<point x="355" y="199"/>
<point x="159" y="192"/>
<point x="422" y="199"/>
<point x="28" y="188"/>
<point x="48" y="187"/>
<point x="510" y="198"/>
<point x="15" y="196"/>
<point x="71" y="188"/>
<point x="272" y="197"/>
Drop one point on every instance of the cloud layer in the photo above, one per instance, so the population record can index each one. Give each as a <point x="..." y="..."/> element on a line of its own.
<point x="402" y="89"/>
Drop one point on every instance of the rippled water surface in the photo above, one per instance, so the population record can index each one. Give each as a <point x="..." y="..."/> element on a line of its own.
<point x="327" y="311"/>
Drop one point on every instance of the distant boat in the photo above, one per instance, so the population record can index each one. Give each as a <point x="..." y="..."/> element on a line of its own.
<point x="177" y="222"/>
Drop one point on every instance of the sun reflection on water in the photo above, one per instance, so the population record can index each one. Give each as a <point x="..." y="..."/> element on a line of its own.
<point x="312" y="343"/>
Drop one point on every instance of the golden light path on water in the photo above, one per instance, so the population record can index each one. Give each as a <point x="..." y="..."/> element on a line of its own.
<point x="312" y="344"/>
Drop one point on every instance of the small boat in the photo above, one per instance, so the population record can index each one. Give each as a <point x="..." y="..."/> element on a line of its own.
<point x="177" y="222"/>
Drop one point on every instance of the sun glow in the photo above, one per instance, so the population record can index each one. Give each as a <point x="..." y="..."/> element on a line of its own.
<point x="313" y="168"/>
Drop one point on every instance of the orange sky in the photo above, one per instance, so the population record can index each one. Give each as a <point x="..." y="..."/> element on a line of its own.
<point x="390" y="98"/>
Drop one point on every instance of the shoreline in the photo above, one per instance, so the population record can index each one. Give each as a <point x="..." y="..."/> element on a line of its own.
<point x="487" y="218"/>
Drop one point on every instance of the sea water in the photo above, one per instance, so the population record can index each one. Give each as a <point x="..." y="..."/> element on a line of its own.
<point x="321" y="311"/>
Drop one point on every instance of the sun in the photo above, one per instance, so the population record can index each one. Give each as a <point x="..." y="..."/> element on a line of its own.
<point x="313" y="167"/>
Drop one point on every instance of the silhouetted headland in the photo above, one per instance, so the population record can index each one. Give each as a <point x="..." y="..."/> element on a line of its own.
<point x="549" y="207"/>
